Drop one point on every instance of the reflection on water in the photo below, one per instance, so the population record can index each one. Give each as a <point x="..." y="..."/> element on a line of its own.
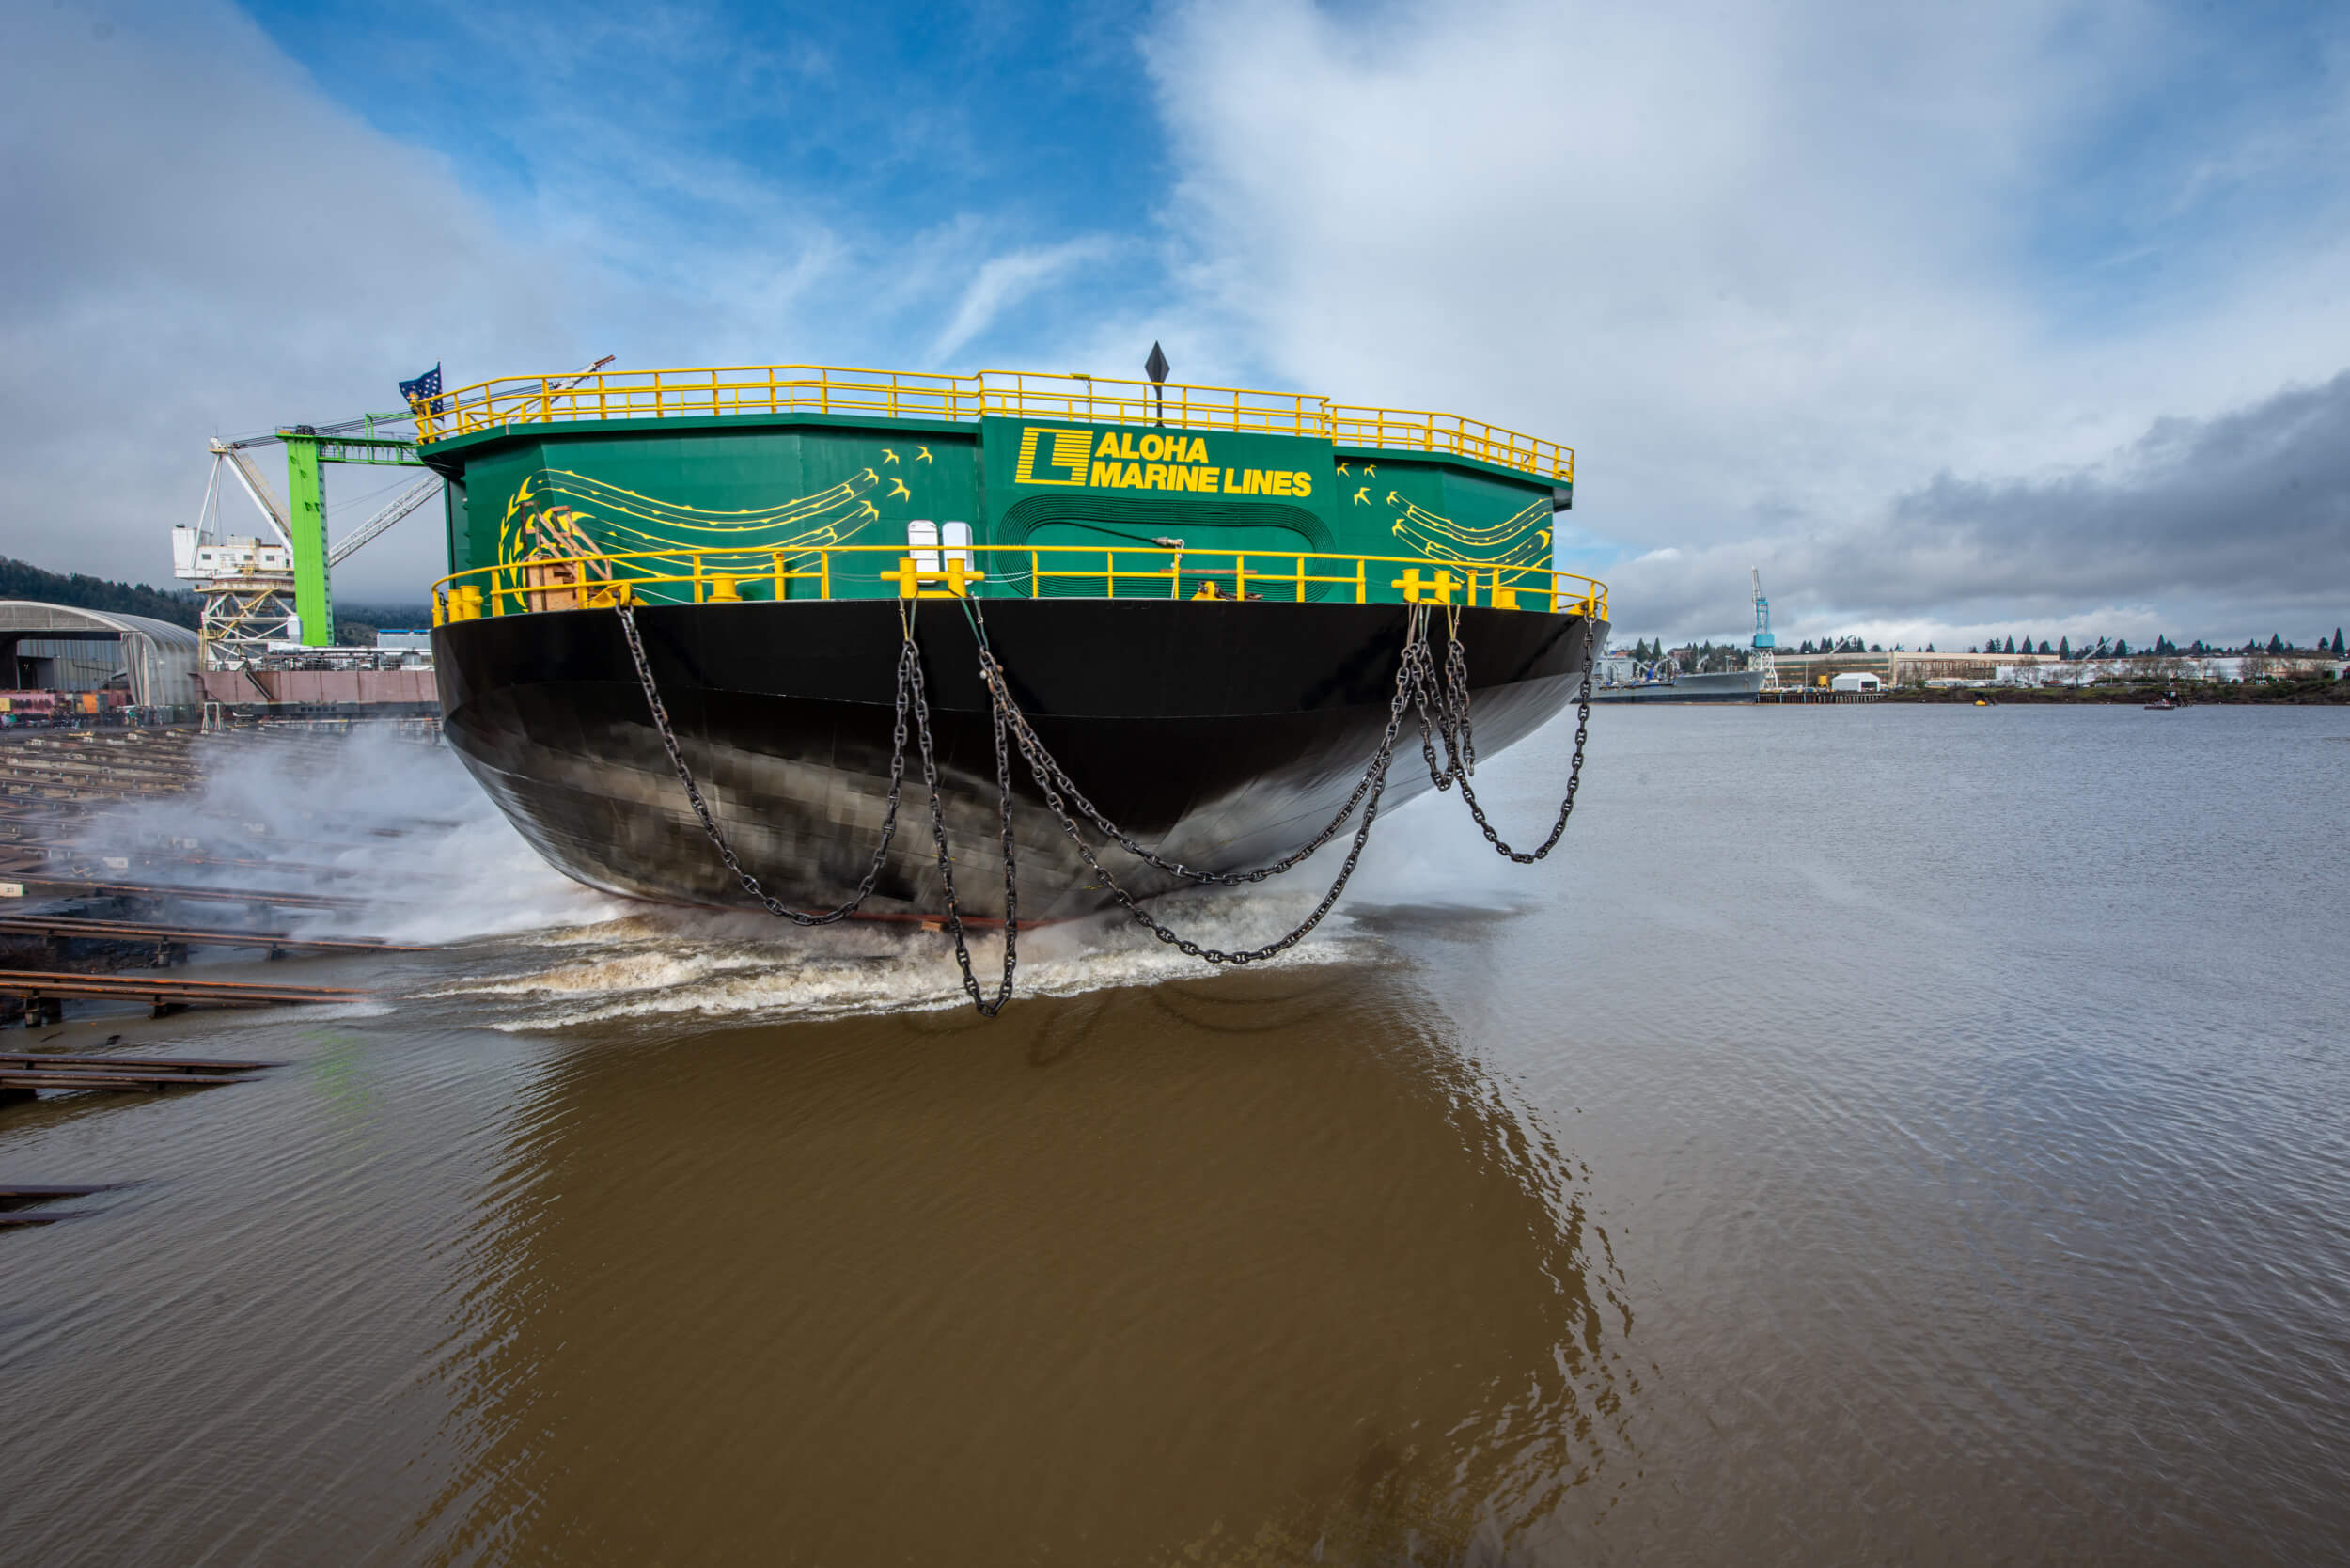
<point x="1220" y="1269"/>
<point x="1961" y="1108"/>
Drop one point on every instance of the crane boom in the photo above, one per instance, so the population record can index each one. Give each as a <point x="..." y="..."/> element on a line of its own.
<point x="401" y="505"/>
<point x="251" y="479"/>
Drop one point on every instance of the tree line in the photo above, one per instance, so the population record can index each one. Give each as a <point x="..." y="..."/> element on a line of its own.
<point x="80" y="592"/>
<point x="355" y="624"/>
<point x="2163" y="647"/>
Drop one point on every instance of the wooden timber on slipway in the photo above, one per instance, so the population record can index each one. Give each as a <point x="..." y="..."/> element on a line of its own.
<point x="97" y="766"/>
<point x="171" y="942"/>
<point x="43" y="993"/>
<point x="25" y="1074"/>
<point x="67" y="887"/>
<point x="78" y="856"/>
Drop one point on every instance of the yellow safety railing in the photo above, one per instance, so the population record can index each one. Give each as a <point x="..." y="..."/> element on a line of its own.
<point x="775" y="389"/>
<point x="1003" y="572"/>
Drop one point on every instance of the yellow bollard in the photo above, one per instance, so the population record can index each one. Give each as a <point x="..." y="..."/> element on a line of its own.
<point x="1436" y="591"/>
<point x="910" y="578"/>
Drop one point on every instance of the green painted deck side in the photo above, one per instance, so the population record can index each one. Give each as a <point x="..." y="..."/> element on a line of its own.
<point x="749" y="486"/>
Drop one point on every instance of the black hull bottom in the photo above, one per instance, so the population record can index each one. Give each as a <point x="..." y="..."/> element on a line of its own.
<point x="1221" y="734"/>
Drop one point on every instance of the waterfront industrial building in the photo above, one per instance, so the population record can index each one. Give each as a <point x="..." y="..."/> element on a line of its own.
<point x="1902" y="668"/>
<point x="61" y="659"/>
<point x="2043" y="669"/>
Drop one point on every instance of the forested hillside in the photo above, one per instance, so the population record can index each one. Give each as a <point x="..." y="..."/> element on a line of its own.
<point x="22" y="580"/>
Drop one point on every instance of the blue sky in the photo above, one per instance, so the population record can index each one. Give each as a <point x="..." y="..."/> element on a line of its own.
<point x="1041" y="113"/>
<point x="1915" y="307"/>
<point x="807" y="131"/>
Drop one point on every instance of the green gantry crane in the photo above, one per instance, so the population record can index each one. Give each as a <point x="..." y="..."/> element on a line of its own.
<point x="250" y="593"/>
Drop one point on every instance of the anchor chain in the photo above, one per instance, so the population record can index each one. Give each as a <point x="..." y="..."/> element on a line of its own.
<point x="1416" y="636"/>
<point x="1046" y="772"/>
<point x="1441" y="704"/>
<point x="912" y="694"/>
<point x="946" y="858"/>
<point x="1451" y="724"/>
<point x="909" y="679"/>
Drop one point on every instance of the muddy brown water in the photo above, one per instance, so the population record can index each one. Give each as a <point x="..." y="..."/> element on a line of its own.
<point x="1906" y="1134"/>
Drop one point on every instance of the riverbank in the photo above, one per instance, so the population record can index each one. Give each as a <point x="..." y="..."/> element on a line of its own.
<point x="2193" y="693"/>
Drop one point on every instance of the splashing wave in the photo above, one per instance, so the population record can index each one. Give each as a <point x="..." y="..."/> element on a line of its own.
<point x="667" y="964"/>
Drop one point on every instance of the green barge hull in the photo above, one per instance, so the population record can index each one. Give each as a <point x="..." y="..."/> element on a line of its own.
<point x="1203" y="618"/>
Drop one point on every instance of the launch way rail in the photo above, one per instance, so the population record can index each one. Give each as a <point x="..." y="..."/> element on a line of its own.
<point x="79" y="888"/>
<point x="43" y="993"/>
<point x="171" y="942"/>
<point x="25" y="1074"/>
<point x="79" y="853"/>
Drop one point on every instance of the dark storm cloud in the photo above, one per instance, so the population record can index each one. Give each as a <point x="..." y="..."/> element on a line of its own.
<point x="2234" y="524"/>
<point x="2252" y="507"/>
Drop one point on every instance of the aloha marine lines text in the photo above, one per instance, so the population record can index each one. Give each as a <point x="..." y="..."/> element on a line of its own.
<point x="1121" y="459"/>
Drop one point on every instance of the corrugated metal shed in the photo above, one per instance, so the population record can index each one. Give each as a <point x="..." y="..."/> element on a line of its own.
<point x="161" y="658"/>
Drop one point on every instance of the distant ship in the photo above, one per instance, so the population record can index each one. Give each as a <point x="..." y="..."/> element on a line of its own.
<point x="1735" y="685"/>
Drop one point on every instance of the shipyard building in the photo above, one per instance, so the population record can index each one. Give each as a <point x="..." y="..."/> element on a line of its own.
<point x="61" y="660"/>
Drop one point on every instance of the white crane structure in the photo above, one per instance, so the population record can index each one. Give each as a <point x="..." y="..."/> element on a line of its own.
<point x="261" y="595"/>
<point x="247" y="582"/>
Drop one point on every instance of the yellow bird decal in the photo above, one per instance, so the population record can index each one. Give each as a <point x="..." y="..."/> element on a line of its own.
<point x="888" y="454"/>
<point x="1362" y="496"/>
<point x="1343" y="470"/>
<point x="898" y="488"/>
<point x="868" y="476"/>
<point x="1391" y="497"/>
<point x="866" y="509"/>
<point x="923" y="455"/>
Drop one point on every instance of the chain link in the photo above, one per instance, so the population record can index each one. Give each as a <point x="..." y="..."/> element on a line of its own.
<point x="1451" y="725"/>
<point x="909" y="679"/>
<point x="1032" y="743"/>
<point x="945" y="857"/>
<point x="1048" y="773"/>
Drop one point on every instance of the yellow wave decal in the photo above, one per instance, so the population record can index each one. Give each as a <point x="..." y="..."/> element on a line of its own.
<point x="1519" y="540"/>
<point x="555" y="514"/>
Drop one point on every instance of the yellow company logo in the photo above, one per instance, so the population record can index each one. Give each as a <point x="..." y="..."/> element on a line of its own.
<point x="1068" y="452"/>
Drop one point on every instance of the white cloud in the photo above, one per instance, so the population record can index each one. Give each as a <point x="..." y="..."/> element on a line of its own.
<point x="1768" y="267"/>
<point x="1003" y="281"/>
<point x="202" y="242"/>
<point x="1772" y="268"/>
<point x="199" y="243"/>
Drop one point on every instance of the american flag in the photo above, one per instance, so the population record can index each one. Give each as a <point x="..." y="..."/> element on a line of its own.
<point x="425" y="386"/>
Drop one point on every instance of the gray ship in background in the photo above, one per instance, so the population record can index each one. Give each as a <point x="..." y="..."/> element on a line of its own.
<point x="1660" y="682"/>
<point x="1622" y="677"/>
